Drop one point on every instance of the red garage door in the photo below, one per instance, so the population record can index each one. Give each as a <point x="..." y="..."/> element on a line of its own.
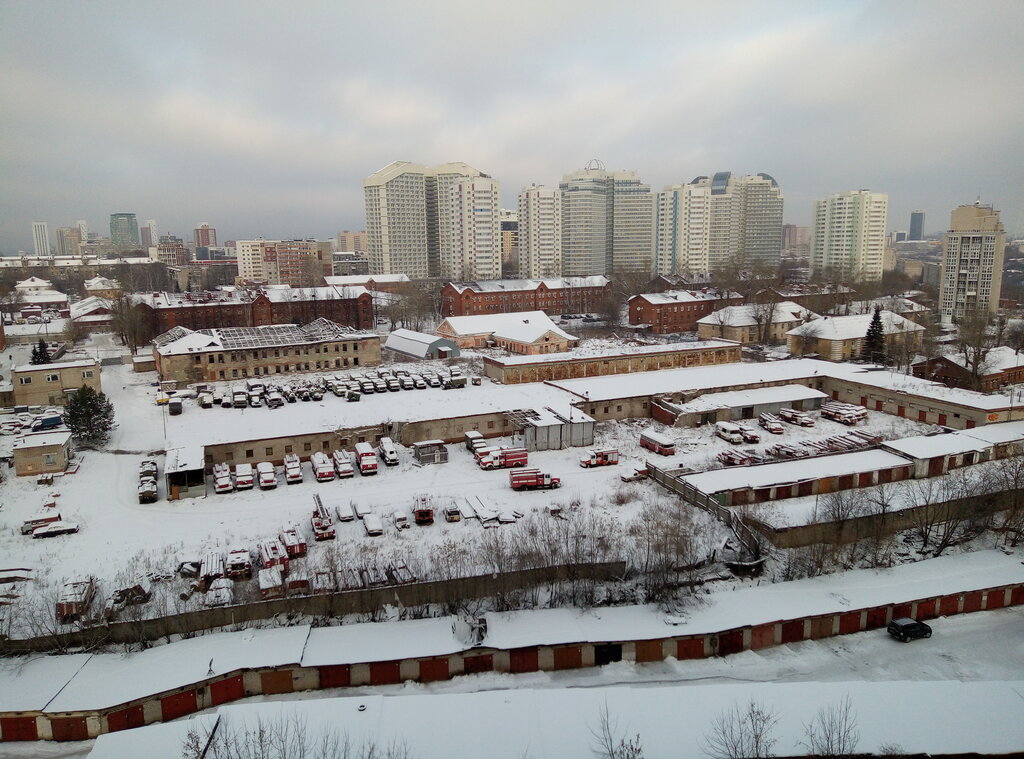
<point x="995" y="599"/>
<point x="762" y="636"/>
<point x="730" y="642"/>
<point x="223" y="691"/>
<point x="949" y="605"/>
<point x="1017" y="596"/>
<point x="433" y="669"/>
<point x="876" y="618"/>
<point x="926" y="609"/>
<point x="568" y="657"/>
<point x="900" y="610"/>
<point x="849" y="623"/>
<point x="178" y="705"/>
<point x="479" y="663"/>
<point x="69" y="728"/>
<point x="522" y="660"/>
<point x="385" y="673"/>
<point x="126" y="719"/>
<point x="793" y="631"/>
<point x="649" y="650"/>
<point x="335" y="676"/>
<point x="972" y="601"/>
<point x="18" y="728"/>
<point x="690" y="648"/>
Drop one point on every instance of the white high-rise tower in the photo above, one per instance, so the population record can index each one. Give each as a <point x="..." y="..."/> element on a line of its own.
<point x="540" y="232"/>
<point x="471" y="244"/>
<point x="848" y="235"/>
<point x="41" y="238"/>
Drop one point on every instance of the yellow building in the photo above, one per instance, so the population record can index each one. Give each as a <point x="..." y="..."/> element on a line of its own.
<point x="50" y="384"/>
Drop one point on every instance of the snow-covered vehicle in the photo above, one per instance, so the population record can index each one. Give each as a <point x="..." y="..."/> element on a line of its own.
<point x="266" y="475"/>
<point x="323" y="468"/>
<point x="238" y="564"/>
<point x="243" y="476"/>
<point x="292" y="469"/>
<point x="401" y="520"/>
<point x="55" y="528"/>
<point x="373" y="525"/>
<point x="322" y="522"/>
<point x="600" y="457"/>
<point x="148" y="490"/>
<point x="343" y="464"/>
<point x="388" y="452"/>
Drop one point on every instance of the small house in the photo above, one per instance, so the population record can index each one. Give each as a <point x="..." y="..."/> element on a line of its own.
<point x="525" y="332"/>
<point x="839" y="338"/>
<point x="420" y="345"/>
<point x="42" y="453"/>
<point x="185" y="470"/>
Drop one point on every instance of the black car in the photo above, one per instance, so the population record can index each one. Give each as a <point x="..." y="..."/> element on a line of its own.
<point x="905" y="629"/>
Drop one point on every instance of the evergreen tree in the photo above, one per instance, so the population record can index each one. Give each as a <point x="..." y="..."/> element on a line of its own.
<point x="873" y="348"/>
<point x="40" y="353"/>
<point x="89" y="415"/>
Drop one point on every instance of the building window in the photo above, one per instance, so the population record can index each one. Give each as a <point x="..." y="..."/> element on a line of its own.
<point x="269" y="451"/>
<point x="287" y="449"/>
<point x="52" y="377"/>
<point x="24" y="380"/>
<point x="230" y="456"/>
<point x="307" y="446"/>
<point x="248" y="453"/>
<point x="49" y="459"/>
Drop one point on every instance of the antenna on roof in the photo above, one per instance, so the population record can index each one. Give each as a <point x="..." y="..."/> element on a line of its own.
<point x="594" y="164"/>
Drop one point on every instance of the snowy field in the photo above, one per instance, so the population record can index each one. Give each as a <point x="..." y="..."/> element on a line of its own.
<point x="121" y="539"/>
<point x="979" y="651"/>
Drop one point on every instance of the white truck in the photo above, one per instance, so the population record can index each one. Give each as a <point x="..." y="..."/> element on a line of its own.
<point x="388" y="452"/>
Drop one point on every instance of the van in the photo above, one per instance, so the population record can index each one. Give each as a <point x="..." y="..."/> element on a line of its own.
<point x="655" y="441"/>
<point x="373" y="525"/>
<point x="388" y="452"/>
<point x="729" y="432"/>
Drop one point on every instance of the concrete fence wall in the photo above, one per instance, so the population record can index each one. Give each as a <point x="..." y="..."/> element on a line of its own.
<point x="325" y="605"/>
<point x="540" y="658"/>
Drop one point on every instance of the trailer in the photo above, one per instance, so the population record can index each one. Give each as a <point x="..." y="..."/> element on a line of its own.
<point x="844" y="413"/>
<point x="343" y="464"/>
<point x="532" y="479"/>
<point x="660" y="444"/>
<point x="502" y="458"/>
<point x="366" y="459"/>
<point x="75" y="599"/>
<point x="323" y="524"/>
<point x="600" y="457"/>
<point x="211" y="568"/>
<point x="239" y="564"/>
<point x="292" y="469"/>
<point x="294" y="544"/>
<point x="272" y="554"/>
<point x="323" y="468"/>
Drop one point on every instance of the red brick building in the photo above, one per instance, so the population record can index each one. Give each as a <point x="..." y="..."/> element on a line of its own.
<point x="677" y="310"/>
<point x="503" y="296"/>
<point x="1002" y="366"/>
<point x="349" y="306"/>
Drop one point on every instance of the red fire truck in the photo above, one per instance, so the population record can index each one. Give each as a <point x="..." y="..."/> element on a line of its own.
<point x="501" y="458"/>
<point x="532" y="479"/>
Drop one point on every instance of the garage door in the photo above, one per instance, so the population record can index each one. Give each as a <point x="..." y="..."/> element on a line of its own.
<point x="69" y="728"/>
<point x="223" y="691"/>
<point x="522" y="660"/>
<point x="126" y="719"/>
<point x="178" y="705"/>
<point x="276" y="682"/>
<point x="18" y="729"/>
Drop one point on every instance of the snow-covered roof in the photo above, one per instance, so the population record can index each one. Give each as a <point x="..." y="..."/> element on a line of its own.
<point x="42" y="297"/>
<point x="521" y="326"/>
<point x="102" y="283"/>
<point x="34" y="283"/>
<point x="723" y="376"/>
<point x="85" y="363"/>
<point x="997" y="360"/>
<point x="743" y="316"/>
<point x="273" y="293"/>
<point x="363" y="279"/>
<point x="685" y="296"/>
<point x="800" y="470"/>
<point x="893" y="303"/>
<point x="184" y="459"/>
<point x="87" y="306"/>
<point x="997" y="434"/>
<point x="42" y="439"/>
<point x="753" y="397"/>
<point x="585" y="352"/>
<point x="413" y="343"/>
<point x="267" y="336"/>
<point x="511" y="285"/>
<point x="932" y="446"/>
<point x="160" y="740"/>
<point x="111" y="679"/>
<point x="368" y="642"/>
<point x="853" y="327"/>
<point x="28" y="684"/>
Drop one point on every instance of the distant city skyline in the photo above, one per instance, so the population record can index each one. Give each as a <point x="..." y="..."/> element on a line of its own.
<point x="821" y="96"/>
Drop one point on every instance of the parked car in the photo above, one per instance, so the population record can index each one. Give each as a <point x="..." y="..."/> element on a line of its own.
<point x="401" y="521"/>
<point x="55" y="528"/>
<point x="905" y="629"/>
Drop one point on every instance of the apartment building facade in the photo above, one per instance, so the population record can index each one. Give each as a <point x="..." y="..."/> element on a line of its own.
<point x="540" y="232"/>
<point x="972" y="263"/>
<point x="848" y="236"/>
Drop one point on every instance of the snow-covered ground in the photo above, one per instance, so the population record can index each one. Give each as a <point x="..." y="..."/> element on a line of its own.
<point x="120" y="538"/>
<point x="985" y="648"/>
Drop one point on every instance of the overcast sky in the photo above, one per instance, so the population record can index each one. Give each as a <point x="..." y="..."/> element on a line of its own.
<point x="263" y="118"/>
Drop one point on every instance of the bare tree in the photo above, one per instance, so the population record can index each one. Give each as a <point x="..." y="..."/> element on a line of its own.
<point x="806" y="335"/>
<point x="10" y="299"/>
<point x="609" y="743"/>
<point x="1009" y="476"/>
<point x="833" y="731"/>
<point x="741" y="732"/>
<point x="974" y="341"/>
<point x="129" y="322"/>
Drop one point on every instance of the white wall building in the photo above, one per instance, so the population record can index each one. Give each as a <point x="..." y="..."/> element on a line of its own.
<point x="607" y="222"/>
<point x="41" y="238"/>
<point x="848" y="235"/>
<point x="407" y="213"/>
<point x="540" y="232"/>
<point x="682" y="229"/>
<point x="471" y="246"/>
<point x="972" y="262"/>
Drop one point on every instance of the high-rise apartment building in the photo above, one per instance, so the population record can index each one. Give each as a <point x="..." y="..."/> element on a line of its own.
<point x="67" y="239"/>
<point x="682" y="229"/>
<point x="607" y="222"/>
<point x="352" y="242"/>
<point x="124" y="230"/>
<point x="972" y="262"/>
<point x="509" y="240"/>
<point x="83" y="229"/>
<point x="408" y="216"/>
<point x="848" y="235"/>
<point x="796" y="241"/>
<point x="540" y="232"/>
<point x="471" y="247"/>
<point x="41" y="238"/>
<point x="148" y="233"/>
<point x="714" y="222"/>
<point x="204" y="236"/>
<point x="916" y="225"/>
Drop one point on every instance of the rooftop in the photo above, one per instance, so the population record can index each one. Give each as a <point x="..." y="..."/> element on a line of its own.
<point x="585" y="353"/>
<point x="522" y="326"/>
<point x="181" y="340"/>
<point x="853" y="327"/>
<point x="42" y="439"/>
<point x="997" y="360"/>
<point x="512" y="285"/>
<point x="686" y="296"/>
<point x="85" y="363"/>
<point x="748" y="315"/>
